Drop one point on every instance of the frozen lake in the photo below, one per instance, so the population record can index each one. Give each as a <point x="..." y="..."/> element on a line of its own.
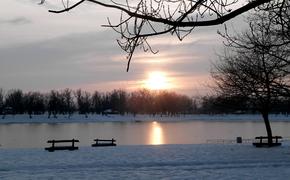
<point x="35" y="135"/>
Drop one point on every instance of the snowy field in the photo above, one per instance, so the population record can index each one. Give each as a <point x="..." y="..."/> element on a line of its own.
<point x="200" y="161"/>
<point x="130" y="118"/>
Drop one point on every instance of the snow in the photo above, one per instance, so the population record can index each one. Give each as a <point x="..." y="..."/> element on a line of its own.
<point x="24" y="118"/>
<point x="199" y="161"/>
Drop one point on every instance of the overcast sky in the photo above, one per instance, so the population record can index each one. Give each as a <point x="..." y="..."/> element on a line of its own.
<point x="41" y="51"/>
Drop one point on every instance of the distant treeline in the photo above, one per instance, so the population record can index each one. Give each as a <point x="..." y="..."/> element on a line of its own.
<point x="142" y="101"/>
<point x="68" y="102"/>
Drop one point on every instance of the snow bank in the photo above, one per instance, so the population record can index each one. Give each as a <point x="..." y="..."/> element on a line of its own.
<point x="130" y="118"/>
<point x="206" y="161"/>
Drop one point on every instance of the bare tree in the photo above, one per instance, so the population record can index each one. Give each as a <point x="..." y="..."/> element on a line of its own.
<point x="97" y="102"/>
<point x="269" y="35"/>
<point x="34" y="103"/>
<point x="255" y="66"/>
<point x="53" y="103"/>
<point x="141" y="101"/>
<point x="14" y="99"/>
<point x="280" y="17"/>
<point x="83" y="101"/>
<point x="118" y="100"/>
<point x="68" y="102"/>
<point x="146" y="18"/>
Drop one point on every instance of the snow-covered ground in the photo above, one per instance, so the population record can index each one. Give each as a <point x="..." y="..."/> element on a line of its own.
<point x="118" y="118"/>
<point x="200" y="161"/>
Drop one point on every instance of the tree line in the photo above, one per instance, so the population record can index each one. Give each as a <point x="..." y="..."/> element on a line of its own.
<point x="143" y="101"/>
<point x="68" y="102"/>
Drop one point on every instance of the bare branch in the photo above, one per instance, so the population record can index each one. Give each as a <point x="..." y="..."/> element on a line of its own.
<point x="150" y="18"/>
<point x="68" y="8"/>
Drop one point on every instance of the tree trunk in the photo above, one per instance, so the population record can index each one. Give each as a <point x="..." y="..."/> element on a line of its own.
<point x="268" y="127"/>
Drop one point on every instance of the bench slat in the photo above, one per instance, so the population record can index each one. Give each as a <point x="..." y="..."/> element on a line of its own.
<point x="265" y="137"/>
<point x="104" y="144"/>
<point x="62" y="141"/>
<point x="105" y="140"/>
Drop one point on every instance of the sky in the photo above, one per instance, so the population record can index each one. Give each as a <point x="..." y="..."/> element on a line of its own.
<point x="41" y="51"/>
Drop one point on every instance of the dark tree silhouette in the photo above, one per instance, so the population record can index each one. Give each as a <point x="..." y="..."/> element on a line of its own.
<point x="118" y="101"/>
<point x="221" y="103"/>
<point x="53" y="103"/>
<point x="133" y="104"/>
<point x="145" y="18"/>
<point x="14" y="99"/>
<point x="141" y="101"/>
<point x="280" y="17"/>
<point x="106" y="102"/>
<point x="97" y="106"/>
<point x="67" y="102"/>
<point x="34" y="103"/>
<point x="167" y="103"/>
<point x="251" y="69"/>
<point x="83" y="101"/>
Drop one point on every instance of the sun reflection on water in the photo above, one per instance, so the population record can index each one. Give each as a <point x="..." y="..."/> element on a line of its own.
<point x="156" y="134"/>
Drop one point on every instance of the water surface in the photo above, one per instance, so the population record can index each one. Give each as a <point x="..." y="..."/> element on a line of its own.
<point x="134" y="133"/>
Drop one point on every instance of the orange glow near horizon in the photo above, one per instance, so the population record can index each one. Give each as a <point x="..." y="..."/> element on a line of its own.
<point x="157" y="80"/>
<point x="156" y="134"/>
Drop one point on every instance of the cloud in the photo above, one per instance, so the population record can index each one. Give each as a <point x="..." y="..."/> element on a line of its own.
<point x="94" y="60"/>
<point x="63" y="62"/>
<point x="16" y="21"/>
<point x="68" y="50"/>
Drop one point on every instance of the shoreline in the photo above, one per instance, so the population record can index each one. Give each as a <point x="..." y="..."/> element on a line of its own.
<point x="94" y="118"/>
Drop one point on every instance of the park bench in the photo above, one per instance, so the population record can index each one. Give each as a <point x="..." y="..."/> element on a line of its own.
<point x="53" y="146"/>
<point x="262" y="141"/>
<point x="104" y="142"/>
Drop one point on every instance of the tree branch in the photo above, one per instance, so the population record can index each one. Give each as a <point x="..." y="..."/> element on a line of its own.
<point x="178" y="23"/>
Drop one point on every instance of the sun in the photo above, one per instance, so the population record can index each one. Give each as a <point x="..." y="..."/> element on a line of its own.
<point x="157" y="81"/>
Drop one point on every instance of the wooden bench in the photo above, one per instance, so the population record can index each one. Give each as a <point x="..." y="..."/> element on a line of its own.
<point x="66" y="147"/>
<point x="262" y="141"/>
<point x="104" y="142"/>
